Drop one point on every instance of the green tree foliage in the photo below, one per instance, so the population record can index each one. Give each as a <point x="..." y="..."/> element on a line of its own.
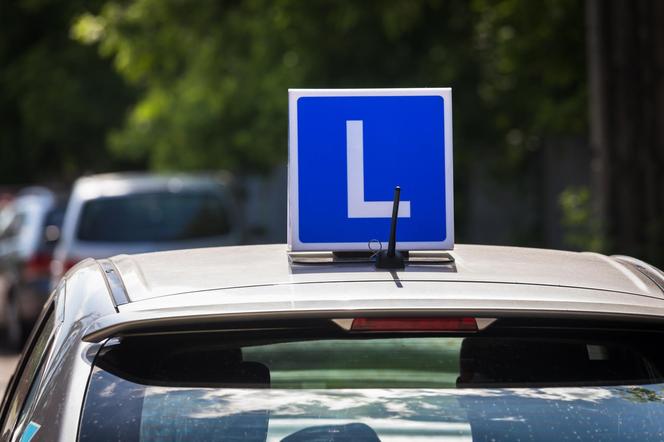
<point x="57" y="97"/>
<point x="532" y="61"/>
<point x="201" y="84"/>
<point x="213" y="74"/>
<point x="583" y="232"/>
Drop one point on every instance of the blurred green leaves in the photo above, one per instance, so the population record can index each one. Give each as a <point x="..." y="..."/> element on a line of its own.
<point x="532" y="63"/>
<point x="212" y="75"/>
<point x="582" y="231"/>
<point x="91" y="86"/>
<point x="57" y="97"/>
<point x="88" y="29"/>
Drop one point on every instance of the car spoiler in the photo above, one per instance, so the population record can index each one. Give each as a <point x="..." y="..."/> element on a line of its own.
<point x="222" y="316"/>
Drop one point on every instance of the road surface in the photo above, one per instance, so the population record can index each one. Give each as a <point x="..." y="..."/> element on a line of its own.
<point x="8" y="360"/>
<point x="7" y="363"/>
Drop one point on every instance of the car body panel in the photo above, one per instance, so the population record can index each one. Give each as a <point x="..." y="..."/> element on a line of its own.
<point x="198" y="285"/>
<point x="169" y="273"/>
<point x="371" y="298"/>
<point x="186" y="288"/>
<point x="60" y="391"/>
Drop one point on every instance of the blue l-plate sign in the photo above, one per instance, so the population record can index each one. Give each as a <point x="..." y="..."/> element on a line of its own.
<point x="349" y="148"/>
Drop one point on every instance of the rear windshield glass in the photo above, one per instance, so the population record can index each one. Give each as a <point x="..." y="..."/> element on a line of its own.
<point x="378" y="388"/>
<point x="154" y="217"/>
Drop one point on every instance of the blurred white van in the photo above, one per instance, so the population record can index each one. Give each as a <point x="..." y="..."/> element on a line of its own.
<point x="129" y="213"/>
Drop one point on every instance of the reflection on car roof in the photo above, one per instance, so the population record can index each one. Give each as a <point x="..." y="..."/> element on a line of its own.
<point x="153" y="275"/>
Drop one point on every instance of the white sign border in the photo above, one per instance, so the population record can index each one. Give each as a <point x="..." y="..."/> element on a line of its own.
<point x="294" y="243"/>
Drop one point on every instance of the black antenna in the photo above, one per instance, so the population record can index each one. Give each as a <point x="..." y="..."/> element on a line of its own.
<point x="391" y="259"/>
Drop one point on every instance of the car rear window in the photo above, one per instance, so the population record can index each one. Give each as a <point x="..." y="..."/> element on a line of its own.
<point x="315" y="385"/>
<point x="154" y="217"/>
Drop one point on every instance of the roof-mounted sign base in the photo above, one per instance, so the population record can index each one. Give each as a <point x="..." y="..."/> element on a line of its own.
<point x="420" y="257"/>
<point x="385" y="260"/>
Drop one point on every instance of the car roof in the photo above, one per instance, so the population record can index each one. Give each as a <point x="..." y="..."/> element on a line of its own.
<point x="34" y="196"/>
<point x="213" y="288"/>
<point x="179" y="288"/>
<point x="112" y="184"/>
<point x="175" y="272"/>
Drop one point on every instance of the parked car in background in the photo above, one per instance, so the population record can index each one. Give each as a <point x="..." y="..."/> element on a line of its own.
<point x="127" y="213"/>
<point x="29" y="229"/>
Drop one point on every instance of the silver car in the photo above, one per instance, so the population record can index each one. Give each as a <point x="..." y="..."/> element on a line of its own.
<point x="29" y="229"/>
<point x="254" y="343"/>
<point x="138" y="212"/>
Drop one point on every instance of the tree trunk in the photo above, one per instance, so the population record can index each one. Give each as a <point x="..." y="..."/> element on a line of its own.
<point x="625" y="43"/>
